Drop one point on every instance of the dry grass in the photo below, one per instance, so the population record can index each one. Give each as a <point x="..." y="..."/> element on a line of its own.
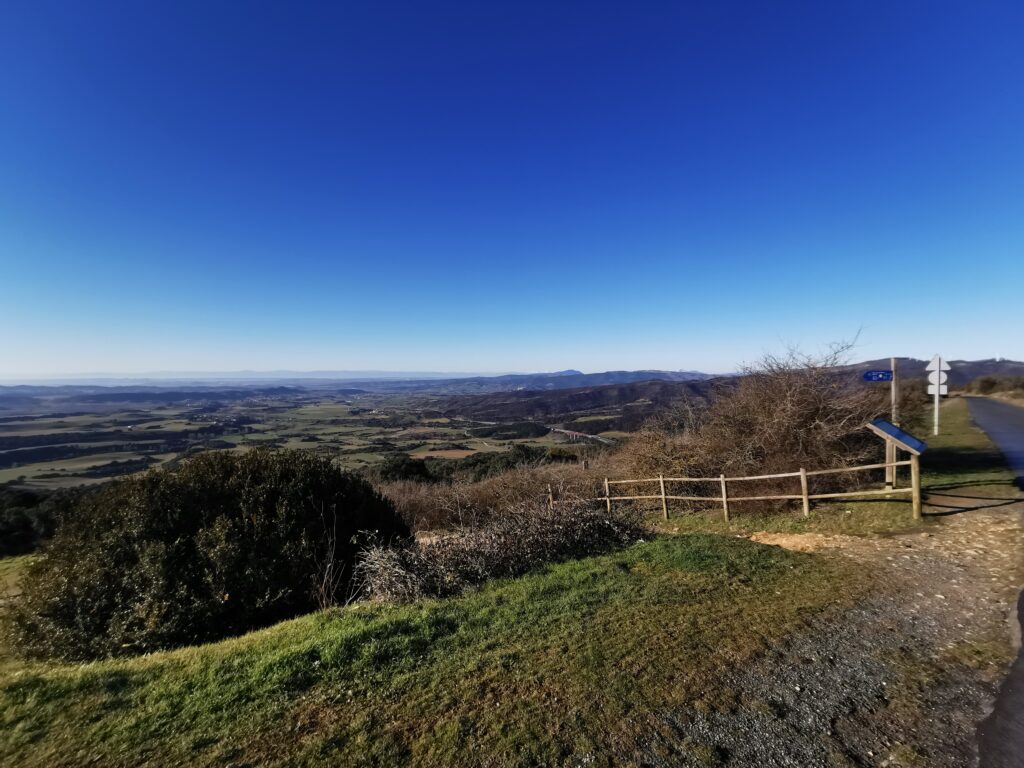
<point x="461" y="503"/>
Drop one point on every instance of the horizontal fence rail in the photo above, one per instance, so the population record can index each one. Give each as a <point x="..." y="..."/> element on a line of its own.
<point x="723" y="497"/>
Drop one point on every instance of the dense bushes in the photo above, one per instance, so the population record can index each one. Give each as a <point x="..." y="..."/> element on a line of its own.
<point x="225" y="543"/>
<point x="512" y="543"/>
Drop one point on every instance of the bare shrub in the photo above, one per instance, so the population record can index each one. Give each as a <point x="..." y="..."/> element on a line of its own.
<point x="520" y="539"/>
<point x="784" y="413"/>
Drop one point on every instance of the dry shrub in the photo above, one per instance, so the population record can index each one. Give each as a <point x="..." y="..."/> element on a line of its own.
<point x="784" y="413"/>
<point x="460" y="503"/>
<point x="518" y="540"/>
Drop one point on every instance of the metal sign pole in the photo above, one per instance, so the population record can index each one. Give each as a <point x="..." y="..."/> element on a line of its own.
<point x="895" y="393"/>
<point x="937" y="384"/>
<point x="890" y="449"/>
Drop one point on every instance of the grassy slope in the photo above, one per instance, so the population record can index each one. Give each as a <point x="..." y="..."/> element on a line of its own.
<point x="961" y="456"/>
<point x="568" y="661"/>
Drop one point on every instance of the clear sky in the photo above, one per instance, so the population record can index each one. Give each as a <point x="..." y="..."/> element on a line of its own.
<point x="497" y="186"/>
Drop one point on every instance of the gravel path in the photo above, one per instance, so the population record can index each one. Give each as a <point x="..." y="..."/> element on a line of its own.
<point x="900" y="680"/>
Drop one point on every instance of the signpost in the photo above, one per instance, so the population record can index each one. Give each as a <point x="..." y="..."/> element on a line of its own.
<point x="892" y="376"/>
<point x="937" y="384"/>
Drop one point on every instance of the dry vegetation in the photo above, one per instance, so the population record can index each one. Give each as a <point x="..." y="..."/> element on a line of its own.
<point x="784" y="413"/>
<point x="462" y="503"/>
<point x="520" y="539"/>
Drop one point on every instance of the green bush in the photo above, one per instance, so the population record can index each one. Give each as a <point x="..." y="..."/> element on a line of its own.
<point x="223" y="544"/>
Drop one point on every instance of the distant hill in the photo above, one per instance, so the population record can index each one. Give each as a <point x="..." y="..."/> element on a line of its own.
<point x="626" y="406"/>
<point x="527" y="381"/>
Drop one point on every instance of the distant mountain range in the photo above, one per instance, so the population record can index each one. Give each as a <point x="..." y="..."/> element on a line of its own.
<point x="585" y="386"/>
<point x="516" y="382"/>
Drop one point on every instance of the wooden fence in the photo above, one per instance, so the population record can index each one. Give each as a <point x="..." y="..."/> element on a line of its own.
<point x="722" y="482"/>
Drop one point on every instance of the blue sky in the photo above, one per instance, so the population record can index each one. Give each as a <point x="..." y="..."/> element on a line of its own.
<point x="506" y="186"/>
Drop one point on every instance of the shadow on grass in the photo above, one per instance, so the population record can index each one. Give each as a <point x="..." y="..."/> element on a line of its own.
<point x="966" y="461"/>
<point x="985" y="483"/>
<point x="954" y="509"/>
<point x="962" y="460"/>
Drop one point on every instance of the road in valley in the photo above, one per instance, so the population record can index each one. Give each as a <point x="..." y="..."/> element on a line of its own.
<point x="1001" y="735"/>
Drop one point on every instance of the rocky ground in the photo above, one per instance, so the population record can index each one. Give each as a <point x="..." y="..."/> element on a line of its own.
<point x="902" y="679"/>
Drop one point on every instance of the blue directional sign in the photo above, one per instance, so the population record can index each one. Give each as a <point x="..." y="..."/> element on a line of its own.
<point x="877" y="375"/>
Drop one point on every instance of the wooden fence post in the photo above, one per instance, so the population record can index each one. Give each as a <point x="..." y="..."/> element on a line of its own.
<point x="551" y="498"/>
<point x="664" y="501"/>
<point x="607" y="496"/>
<point x="915" y="484"/>
<point x="725" y="498"/>
<point x="803" y="492"/>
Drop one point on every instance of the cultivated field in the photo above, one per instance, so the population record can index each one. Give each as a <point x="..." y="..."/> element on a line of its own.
<point x="79" y="442"/>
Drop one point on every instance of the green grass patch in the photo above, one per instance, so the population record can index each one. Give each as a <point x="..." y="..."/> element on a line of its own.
<point x="562" y="665"/>
<point x="854" y="518"/>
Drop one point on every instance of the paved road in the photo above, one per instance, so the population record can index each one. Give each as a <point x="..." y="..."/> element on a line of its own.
<point x="1004" y="423"/>
<point x="1001" y="735"/>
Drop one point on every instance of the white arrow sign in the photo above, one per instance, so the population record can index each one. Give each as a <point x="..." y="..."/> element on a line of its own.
<point x="938" y="377"/>
<point x="937" y="364"/>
